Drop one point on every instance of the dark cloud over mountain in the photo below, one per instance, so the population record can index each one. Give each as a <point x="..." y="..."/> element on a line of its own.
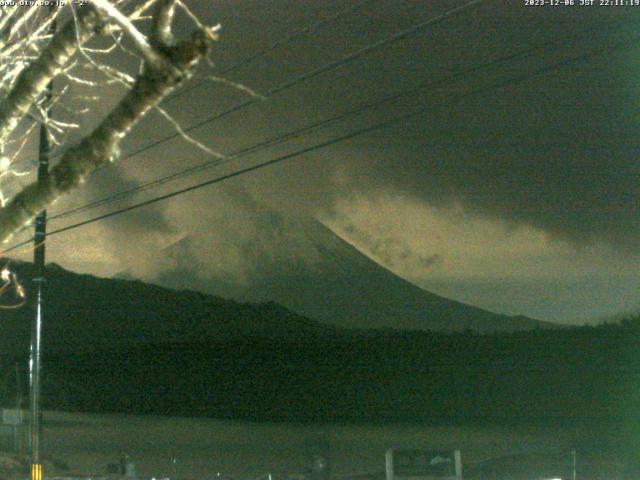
<point x="528" y="160"/>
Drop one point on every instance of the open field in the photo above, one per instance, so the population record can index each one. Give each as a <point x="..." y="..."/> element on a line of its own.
<point x="203" y="447"/>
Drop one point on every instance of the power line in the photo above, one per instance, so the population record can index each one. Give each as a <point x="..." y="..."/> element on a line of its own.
<point x="322" y="69"/>
<point x="327" y="67"/>
<point x="312" y="74"/>
<point x="307" y="76"/>
<point x="447" y="80"/>
<point x="225" y="177"/>
<point x="516" y="79"/>
<point x="265" y="51"/>
<point x="278" y="44"/>
<point x="318" y="146"/>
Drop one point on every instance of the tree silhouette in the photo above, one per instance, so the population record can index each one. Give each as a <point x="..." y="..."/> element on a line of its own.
<point x="32" y="56"/>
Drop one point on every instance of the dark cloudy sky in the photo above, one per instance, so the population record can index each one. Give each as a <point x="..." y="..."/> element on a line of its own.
<point x="514" y="186"/>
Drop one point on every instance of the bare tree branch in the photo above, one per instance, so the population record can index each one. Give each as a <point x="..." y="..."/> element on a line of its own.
<point x="34" y="79"/>
<point x="140" y="41"/>
<point x="161" y="35"/>
<point x="102" y="145"/>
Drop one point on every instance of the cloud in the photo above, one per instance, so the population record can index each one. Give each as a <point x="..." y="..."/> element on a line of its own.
<point x="555" y="152"/>
<point x="120" y="243"/>
<point x="392" y="252"/>
<point x="533" y="179"/>
<point x="492" y="263"/>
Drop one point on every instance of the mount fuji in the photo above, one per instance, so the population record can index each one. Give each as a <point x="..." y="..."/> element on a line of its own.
<point x="334" y="283"/>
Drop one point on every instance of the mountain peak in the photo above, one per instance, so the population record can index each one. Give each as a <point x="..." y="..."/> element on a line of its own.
<point x="337" y="284"/>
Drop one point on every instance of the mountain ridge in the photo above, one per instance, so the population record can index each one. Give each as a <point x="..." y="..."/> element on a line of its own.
<point x="340" y="285"/>
<point x="83" y="312"/>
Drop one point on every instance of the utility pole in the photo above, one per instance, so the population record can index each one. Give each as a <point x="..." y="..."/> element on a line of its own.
<point x="36" y="324"/>
<point x="38" y="281"/>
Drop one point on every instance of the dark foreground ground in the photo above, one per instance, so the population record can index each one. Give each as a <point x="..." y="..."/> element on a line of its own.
<point x="197" y="448"/>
